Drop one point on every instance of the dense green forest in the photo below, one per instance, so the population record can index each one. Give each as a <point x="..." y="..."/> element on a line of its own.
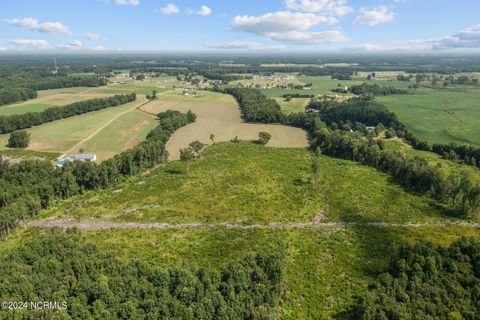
<point x="59" y="266"/>
<point x="11" y="95"/>
<point x="29" y="186"/>
<point x="30" y="119"/>
<point x="426" y="281"/>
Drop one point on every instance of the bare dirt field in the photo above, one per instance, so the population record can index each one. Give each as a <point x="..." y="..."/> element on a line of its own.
<point x="219" y="114"/>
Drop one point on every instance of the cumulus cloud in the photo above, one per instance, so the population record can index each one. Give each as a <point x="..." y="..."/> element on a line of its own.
<point x="279" y="22"/>
<point x="374" y="16"/>
<point x="30" y="43"/>
<point x="33" y="24"/>
<point x="2" y="49"/>
<point x="465" y="39"/>
<point x="170" y="8"/>
<point x="333" y="7"/>
<point x="93" y="36"/>
<point x="73" y="45"/>
<point x="127" y="2"/>
<point x="468" y="38"/>
<point x="203" y="11"/>
<point x="242" y="45"/>
<point x="302" y="37"/>
<point x="291" y="27"/>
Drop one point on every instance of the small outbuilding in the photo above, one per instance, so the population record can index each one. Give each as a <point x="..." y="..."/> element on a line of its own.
<point x="84" y="157"/>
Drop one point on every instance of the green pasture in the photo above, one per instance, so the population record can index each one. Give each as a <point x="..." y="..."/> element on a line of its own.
<point x="439" y="115"/>
<point x="62" y="134"/>
<point x="123" y="133"/>
<point x="293" y="106"/>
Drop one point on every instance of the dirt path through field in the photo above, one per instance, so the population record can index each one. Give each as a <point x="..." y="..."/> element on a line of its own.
<point x="316" y="223"/>
<point x="219" y="114"/>
<point x="142" y="102"/>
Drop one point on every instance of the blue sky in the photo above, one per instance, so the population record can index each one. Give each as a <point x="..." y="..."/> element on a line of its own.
<point x="245" y="25"/>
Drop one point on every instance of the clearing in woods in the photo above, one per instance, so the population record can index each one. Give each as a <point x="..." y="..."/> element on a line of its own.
<point x="218" y="114"/>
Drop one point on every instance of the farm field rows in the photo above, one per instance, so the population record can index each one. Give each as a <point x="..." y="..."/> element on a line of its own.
<point x="439" y="115"/>
<point x="218" y="114"/>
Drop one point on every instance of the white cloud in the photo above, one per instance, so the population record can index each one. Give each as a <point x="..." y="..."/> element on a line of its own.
<point x="283" y="21"/>
<point x="375" y="16"/>
<point x="127" y="2"/>
<point x="204" y="11"/>
<point x="30" y="43"/>
<point x="291" y="27"/>
<point x="468" y="38"/>
<point x="3" y="49"/>
<point x="333" y="7"/>
<point x="242" y="45"/>
<point x="302" y="37"/>
<point x="170" y="8"/>
<point x="93" y="36"/>
<point x="73" y="45"/>
<point x="33" y="24"/>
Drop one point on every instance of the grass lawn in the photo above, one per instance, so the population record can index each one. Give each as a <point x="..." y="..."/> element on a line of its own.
<point x="439" y="115"/>
<point x="248" y="183"/>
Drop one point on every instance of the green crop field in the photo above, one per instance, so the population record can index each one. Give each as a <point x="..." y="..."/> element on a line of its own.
<point x="122" y="134"/>
<point x="439" y="115"/>
<point x="248" y="183"/>
<point x="63" y="134"/>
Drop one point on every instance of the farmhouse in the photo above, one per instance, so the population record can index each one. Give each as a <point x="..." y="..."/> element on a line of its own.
<point x="84" y="157"/>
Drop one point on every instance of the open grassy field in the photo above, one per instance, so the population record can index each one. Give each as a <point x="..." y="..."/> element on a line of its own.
<point x="127" y="131"/>
<point x="218" y="114"/>
<point x="323" y="85"/>
<point x="293" y="106"/>
<point x="439" y="115"/>
<point x="61" y="135"/>
<point x="248" y="183"/>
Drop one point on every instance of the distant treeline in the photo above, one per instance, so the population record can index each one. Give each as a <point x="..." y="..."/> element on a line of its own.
<point x="30" y="186"/>
<point x="460" y="193"/>
<point x="12" y="95"/>
<point x="370" y="90"/>
<point x="30" y="119"/>
<point x="62" y="266"/>
<point x="427" y="281"/>
<point x="15" y="88"/>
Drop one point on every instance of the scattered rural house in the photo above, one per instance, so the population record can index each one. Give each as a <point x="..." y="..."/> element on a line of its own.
<point x="85" y="157"/>
<point x="310" y="110"/>
<point x="307" y="88"/>
<point x="371" y="128"/>
<point x="76" y="157"/>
